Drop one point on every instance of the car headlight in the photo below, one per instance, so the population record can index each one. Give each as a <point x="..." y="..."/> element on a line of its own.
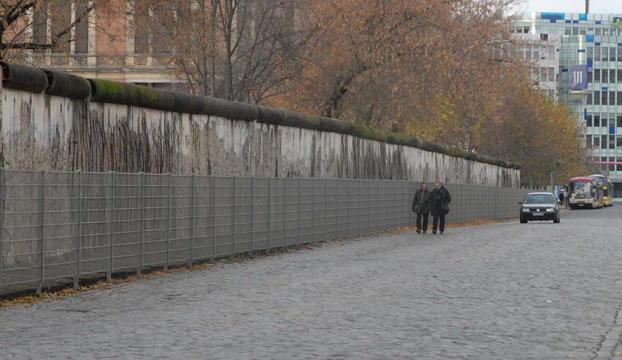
<point x="550" y="210"/>
<point x="524" y="210"/>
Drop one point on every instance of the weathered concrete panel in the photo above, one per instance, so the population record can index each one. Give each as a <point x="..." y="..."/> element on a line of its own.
<point x="47" y="132"/>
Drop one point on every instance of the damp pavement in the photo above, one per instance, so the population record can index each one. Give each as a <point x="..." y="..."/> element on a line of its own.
<point x="498" y="291"/>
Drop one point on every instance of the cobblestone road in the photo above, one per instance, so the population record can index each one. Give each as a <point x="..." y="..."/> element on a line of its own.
<point x="502" y="291"/>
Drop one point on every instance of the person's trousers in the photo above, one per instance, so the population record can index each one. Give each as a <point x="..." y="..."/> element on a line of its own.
<point x="438" y="223"/>
<point x="422" y="221"/>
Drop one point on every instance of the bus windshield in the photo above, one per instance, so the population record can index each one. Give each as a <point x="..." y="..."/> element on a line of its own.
<point x="580" y="188"/>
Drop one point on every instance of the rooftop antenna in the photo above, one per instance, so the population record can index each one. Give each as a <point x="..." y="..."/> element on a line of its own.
<point x="587" y="6"/>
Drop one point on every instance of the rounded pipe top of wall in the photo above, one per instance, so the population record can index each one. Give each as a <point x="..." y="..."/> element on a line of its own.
<point x="58" y="83"/>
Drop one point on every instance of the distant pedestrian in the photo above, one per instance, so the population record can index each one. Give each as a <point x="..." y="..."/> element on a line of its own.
<point x="439" y="199"/>
<point x="421" y="207"/>
<point x="562" y="196"/>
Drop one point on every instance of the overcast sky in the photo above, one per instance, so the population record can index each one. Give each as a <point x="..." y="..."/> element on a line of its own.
<point x="574" y="6"/>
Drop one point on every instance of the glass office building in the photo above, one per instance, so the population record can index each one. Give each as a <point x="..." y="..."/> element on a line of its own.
<point x="588" y="78"/>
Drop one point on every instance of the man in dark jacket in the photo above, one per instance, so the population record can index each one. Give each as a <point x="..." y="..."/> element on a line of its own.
<point x="439" y="199"/>
<point x="422" y="208"/>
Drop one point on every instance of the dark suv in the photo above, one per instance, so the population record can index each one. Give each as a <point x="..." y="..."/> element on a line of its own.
<point x="540" y="206"/>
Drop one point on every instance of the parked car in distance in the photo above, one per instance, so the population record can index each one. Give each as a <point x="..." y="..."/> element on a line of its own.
<point x="539" y="206"/>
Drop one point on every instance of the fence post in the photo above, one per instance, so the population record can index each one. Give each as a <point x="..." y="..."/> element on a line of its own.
<point x="192" y="219"/>
<point x="368" y="208"/>
<point x="252" y="216"/>
<point x="299" y="213"/>
<point x="349" y="206"/>
<point x="358" y="208"/>
<point x="314" y="179"/>
<point x="168" y="220"/>
<point x="284" y="212"/>
<point x="325" y="209"/>
<point x="76" y="278"/>
<point x="269" y="215"/>
<point x="379" y="207"/>
<point x="41" y="251"/>
<point x="142" y="221"/>
<point x="214" y="217"/>
<point x="112" y="213"/>
<point x="233" y="216"/>
<point x="2" y="204"/>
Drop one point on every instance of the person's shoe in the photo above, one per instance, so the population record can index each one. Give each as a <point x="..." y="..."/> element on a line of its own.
<point x="418" y="231"/>
<point x="434" y="232"/>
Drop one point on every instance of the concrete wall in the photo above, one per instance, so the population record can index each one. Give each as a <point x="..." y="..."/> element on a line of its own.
<point x="40" y="131"/>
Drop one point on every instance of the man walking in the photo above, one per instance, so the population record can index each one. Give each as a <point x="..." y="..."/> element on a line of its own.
<point x="422" y="208"/>
<point x="439" y="204"/>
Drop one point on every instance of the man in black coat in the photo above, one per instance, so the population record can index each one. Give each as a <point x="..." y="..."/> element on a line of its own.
<point x="439" y="199"/>
<point x="422" y="208"/>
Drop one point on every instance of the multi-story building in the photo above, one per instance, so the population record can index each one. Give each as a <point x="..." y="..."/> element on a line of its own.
<point x="590" y="77"/>
<point x="107" y="43"/>
<point x="162" y="43"/>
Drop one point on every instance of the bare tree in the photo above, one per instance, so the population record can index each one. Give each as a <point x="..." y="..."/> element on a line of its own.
<point x="234" y="49"/>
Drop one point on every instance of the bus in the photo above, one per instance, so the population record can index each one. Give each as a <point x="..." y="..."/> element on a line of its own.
<point x="584" y="192"/>
<point x="607" y="187"/>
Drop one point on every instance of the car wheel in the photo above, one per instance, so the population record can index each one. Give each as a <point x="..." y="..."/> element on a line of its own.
<point x="523" y="221"/>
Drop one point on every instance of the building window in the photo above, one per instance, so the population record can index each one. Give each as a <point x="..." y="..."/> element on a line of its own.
<point x="596" y="75"/>
<point x="589" y="99"/>
<point x="619" y="141"/>
<point x="596" y="97"/>
<point x="612" y="143"/>
<point x="81" y="29"/>
<point x="575" y="31"/>
<point x="603" y="99"/>
<point x="619" y="97"/>
<point x="596" y="120"/>
<point x="603" y="122"/>
<point x="598" y="31"/>
<point x="596" y="141"/>
<point x="612" y="76"/>
<point x="588" y="121"/>
<point x="588" y="141"/>
<point x="612" y="98"/>
<point x="605" y="54"/>
<point x="603" y="142"/>
<point x="612" y="54"/>
<point x="619" y="118"/>
<point x="605" y="77"/>
<point x="590" y="78"/>
<point x="596" y="54"/>
<point x="590" y="52"/>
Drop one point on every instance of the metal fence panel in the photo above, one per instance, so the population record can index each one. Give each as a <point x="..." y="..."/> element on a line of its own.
<point x="58" y="227"/>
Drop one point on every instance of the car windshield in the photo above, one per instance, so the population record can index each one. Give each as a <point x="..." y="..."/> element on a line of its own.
<point x="539" y="199"/>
